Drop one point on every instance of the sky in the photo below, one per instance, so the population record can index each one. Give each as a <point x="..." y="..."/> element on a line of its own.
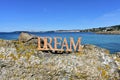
<point x="46" y="15"/>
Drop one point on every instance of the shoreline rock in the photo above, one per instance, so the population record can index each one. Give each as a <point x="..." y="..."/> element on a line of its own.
<point x="21" y="60"/>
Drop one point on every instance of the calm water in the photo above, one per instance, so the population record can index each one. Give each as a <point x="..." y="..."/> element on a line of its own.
<point x="111" y="42"/>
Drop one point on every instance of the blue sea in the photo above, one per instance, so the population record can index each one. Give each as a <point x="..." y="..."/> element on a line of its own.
<point x="110" y="42"/>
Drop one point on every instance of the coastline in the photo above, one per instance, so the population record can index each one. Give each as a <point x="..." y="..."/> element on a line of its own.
<point x="114" y="30"/>
<point x="109" y="32"/>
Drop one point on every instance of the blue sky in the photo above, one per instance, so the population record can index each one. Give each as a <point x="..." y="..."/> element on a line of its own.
<point x="44" y="15"/>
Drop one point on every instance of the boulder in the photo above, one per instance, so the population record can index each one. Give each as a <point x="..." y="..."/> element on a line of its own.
<point x="29" y="39"/>
<point x="24" y="37"/>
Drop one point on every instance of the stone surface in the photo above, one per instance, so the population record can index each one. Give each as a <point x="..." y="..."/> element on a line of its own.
<point x="21" y="61"/>
<point x="24" y="37"/>
<point x="116" y="57"/>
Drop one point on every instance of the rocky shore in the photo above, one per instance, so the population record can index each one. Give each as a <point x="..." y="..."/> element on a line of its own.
<point x="20" y="60"/>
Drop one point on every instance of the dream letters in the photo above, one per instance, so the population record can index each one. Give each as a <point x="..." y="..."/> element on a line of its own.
<point x="59" y="44"/>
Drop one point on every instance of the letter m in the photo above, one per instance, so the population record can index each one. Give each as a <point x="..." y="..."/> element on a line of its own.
<point x="77" y="46"/>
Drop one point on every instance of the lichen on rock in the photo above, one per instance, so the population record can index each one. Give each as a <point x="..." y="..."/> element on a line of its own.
<point x="21" y="60"/>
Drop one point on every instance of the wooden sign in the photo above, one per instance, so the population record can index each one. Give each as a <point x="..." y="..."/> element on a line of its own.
<point x="62" y="43"/>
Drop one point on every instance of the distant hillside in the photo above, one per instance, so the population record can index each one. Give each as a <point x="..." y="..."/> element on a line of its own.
<point x="107" y="30"/>
<point x="103" y="30"/>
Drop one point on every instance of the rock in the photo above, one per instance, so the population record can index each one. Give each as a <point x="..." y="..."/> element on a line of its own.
<point x="116" y="57"/>
<point x="6" y="43"/>
<point x="93" y="63"/>
<point x="2" y="64"/>
<point x="24" y="37"/>
<point x="29" y="39"/>
<point x="117" y="54"/>
<point x="7" y="47"/>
